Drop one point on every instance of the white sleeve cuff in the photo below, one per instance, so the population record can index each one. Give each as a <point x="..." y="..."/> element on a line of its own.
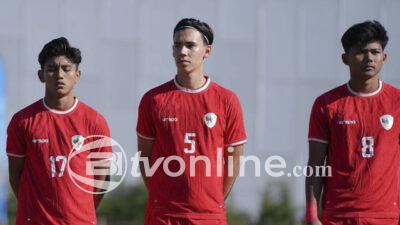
<point x="318" y="140"/>
<point x="236" y="143"/>
<point x="145" y="137"/>
<point x="15" y="155"/>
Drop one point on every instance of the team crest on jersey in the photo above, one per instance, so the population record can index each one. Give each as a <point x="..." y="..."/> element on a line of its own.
<point x="210" y="119"/>
<point x="386" y="121"/>
<point x="77" y="142"/>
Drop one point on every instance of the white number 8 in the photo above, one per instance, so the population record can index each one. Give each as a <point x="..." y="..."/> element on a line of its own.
<point x="367" y="147"/>
<point x="192" y="143"/>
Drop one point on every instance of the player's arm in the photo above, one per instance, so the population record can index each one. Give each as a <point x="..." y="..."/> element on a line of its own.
<point x="233" y="170"/>
<point x="15" y="167"/>
<point x="101" y="129"/>
<point x="98" y="197"/>
<point x="144" y="147"/>
<point x="314" y="185"/>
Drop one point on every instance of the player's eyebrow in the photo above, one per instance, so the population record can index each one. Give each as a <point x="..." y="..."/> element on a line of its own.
<point x="184" y="42"/>
<point x="376" y="49"/>
<point x="54" y="65"/>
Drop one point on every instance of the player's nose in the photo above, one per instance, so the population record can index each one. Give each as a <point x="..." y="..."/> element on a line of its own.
<point x="368" y="56"/>
<point x="183" y="50"/>
<point x="59" y="73"/>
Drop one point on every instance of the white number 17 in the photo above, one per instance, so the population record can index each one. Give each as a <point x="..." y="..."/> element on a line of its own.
<point x="53" y="162"/>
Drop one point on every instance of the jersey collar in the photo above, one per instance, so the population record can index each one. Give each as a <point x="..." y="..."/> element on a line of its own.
<point x="59" y="111"/>
<point x="204" y="87"/>
<point x="364" y="94"/>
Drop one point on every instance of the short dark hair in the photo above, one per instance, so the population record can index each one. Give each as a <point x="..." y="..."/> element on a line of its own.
<point x="202" y="27"/>
<point x="59" y="47"/>
<point x="361" y="34"/>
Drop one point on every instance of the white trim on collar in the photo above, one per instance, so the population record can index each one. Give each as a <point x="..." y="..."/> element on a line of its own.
<point x="59" y="111"/>
<point x="204" y="87"/>
<point x="364" y="94"/>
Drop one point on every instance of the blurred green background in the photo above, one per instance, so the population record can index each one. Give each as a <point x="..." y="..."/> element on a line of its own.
<point x="126" y="206"/>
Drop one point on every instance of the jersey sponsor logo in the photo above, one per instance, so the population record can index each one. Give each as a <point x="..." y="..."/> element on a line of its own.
<point x="210" y="119"/>
<point x="77" y="142"/>
<point x="40" y="140"/>
<point x="169" y="119"/>
<point x="386" y="121"/>
<point x="346" y="122"/>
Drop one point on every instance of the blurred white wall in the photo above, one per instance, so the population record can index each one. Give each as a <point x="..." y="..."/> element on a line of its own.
<point x="277" y="55"/>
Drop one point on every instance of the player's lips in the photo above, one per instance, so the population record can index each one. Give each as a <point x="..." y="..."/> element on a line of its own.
<point x="182" y="61"/>
<point x="60" y="84"/>
<point x="368" y="67"/>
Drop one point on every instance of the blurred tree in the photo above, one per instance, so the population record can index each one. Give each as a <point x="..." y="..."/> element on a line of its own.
<point x="237" y="217"/>
<point x="125" y="205"/>
<point x="277" y="208"/>
<point x="11" y="208"/>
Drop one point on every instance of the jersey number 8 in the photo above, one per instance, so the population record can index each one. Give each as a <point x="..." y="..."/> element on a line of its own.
<point x="367" y="149"/>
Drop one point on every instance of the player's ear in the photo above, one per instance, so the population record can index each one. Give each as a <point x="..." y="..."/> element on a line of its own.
<point x="345" y="58"/>
<point x="384" y="57"/>
<point x="41" y="75"/>
<point x="208" y="51"/>
<point x="78" y="75"/>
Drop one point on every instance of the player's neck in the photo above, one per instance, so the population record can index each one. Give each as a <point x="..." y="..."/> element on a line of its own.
<point x="61" y="104"/>
<point x="364" y="86"/>
<point x="191" y="81"/>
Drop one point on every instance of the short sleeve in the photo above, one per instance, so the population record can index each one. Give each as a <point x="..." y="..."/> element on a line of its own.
<point x="16" y="145"/>
<point x="101" y="126"/>
<point x="101" y="129"/>
<point x="145" y="126"/>
<point x="318" y="127"/>
<point x="235" y="133"/>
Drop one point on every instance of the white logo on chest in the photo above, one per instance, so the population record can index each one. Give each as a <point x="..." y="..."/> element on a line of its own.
<point x="169" y="119"/>
<point x="210" y="119"/>
<point x="346" y="122"/>
<point x="386" y="121"/>
<point x="77" y="142"/>
<point x="40" y="140"/>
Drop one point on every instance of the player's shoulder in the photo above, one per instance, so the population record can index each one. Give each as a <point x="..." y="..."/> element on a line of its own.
<point x="220" y="91"/>
<point x="86" y="111"/>
<point x="332" y="95"/>
<point x="391" y="89"/>
<point x="28" y="111"/>
<point x="159" y="90"/>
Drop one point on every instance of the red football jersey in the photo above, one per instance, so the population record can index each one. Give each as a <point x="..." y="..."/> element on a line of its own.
<point x="187" y="123"/>
<point x="362" y="131"/>
<point x="45" y="137"/>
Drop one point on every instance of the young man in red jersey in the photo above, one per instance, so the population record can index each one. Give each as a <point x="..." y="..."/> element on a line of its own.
<point x="355" y="130"/>
<point x="190" y="116"/>
<point x="40" y="139"/>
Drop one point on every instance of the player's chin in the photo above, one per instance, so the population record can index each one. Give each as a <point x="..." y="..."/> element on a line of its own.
<point x="365" y="75"/>
<point x="184" y="69"/>
<point x="369" y="75"/>
<point x="61" y="92"/>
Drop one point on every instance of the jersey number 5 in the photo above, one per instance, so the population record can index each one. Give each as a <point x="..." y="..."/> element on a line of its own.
<point x="189" y="139"/>
<point x="367" y="149"/>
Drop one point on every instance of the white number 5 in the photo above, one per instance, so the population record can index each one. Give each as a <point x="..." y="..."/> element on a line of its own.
<point x="190" y="141"/>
